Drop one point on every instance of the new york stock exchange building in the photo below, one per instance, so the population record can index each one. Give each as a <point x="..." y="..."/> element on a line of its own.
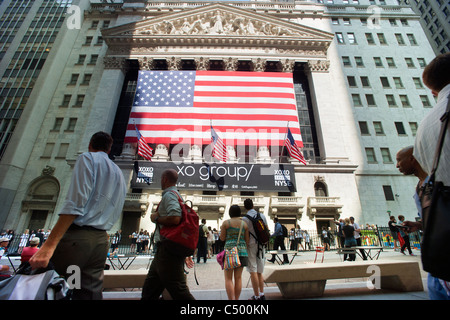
<point x="357" y="93"/>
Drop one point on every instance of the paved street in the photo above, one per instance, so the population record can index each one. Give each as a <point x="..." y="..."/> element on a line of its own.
<point x="211" y="281"/>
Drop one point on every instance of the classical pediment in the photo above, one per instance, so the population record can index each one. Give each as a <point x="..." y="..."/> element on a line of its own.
<point x="217" y="25"/>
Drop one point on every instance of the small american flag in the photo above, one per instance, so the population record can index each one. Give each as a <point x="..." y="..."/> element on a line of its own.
<point x="144" y="149"/>
<point x="219" y="148"/>
<point x="294" y="151"/>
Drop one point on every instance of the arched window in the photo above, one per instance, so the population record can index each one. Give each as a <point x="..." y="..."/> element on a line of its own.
<point x="320" y="189"/>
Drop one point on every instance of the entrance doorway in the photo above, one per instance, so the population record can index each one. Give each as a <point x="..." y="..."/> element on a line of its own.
<point x="37" y="220"/>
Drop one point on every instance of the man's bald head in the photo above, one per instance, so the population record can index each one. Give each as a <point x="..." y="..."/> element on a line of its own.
<point x="406" y="163"/>
<point x="169" y="178"/>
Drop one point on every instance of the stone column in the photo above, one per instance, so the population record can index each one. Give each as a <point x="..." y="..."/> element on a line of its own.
<point x="104" y="106"/>
<point x="327" y="113"/>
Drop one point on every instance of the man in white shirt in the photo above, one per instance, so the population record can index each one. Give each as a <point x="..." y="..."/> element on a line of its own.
<point x="93" y="204"/>
<point x="436" y="76"/>
<point x="429" y="129"/>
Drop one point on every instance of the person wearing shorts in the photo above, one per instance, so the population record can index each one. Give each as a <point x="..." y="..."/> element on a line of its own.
<point x="256" y="255"/>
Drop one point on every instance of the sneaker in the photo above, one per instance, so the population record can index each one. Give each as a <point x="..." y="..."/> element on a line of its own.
<point x="412" y="254"/>
<point x="273" y="261"/>
<point x="403" y="252"/>
<point x="263" y="297"/>
<point x="254" y="298"/>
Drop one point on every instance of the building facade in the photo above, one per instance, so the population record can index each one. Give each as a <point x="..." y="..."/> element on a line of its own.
<point x="435" y="20"/>
<point x="358" y="88"/>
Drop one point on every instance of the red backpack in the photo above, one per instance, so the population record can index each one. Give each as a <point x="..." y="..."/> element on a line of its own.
<point x="181" y="239"/>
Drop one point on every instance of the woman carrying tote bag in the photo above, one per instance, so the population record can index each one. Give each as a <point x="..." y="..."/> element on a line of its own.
<point x="235" y="234"/>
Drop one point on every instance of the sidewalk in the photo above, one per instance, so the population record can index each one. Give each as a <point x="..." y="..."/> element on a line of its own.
<point x="211" y="281"/>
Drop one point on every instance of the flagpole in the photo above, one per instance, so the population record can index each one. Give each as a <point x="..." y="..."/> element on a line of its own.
<point x="137" y="142"/>
<point x="284" y="143"/>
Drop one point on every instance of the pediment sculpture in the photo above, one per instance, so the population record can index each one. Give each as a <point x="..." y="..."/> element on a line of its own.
<point x="219" y="23"/>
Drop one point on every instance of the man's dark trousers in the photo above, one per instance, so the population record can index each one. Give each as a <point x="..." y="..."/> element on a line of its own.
<point x="202" y="248"/>
<point x="279" y="243"/>
<point x="166" y="272"/>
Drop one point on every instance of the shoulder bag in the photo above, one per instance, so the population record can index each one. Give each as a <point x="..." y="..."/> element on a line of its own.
<point x="231" y="256"/>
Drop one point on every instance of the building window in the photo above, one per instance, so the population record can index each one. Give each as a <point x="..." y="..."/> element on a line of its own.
<point x="66" y="100"/>
<point x="382" y="38"/>
<point x="370" y="100"/>
<point x="57" y="124"/>
<point x="413" y="126"/>
<point x="400" y="128"/>
<point x="398" y="83"/>
<point x="391" y="100"/>
<point x="86" y="79"/>
<point x="385" y="82"/>
<point x="79" y="101"/>
<point x="81" y="59"/>
<point x="351" y="81"/>
<point x="409" y="63"/>
<point x="94" y="59"/>
<point x="421" y="62"/>
<point x="390" y="62"/>
<point x="346" y="61"/>
<point x="88" y="41"/>
<point x="378" y="62"/>
<point x="62" y="152"/>
<point x="356" y="100"/>
<point x="386" y="155"/>
<point x="388" y="194"/>
<point x="369" y="38"/>
<point x="48" y="150"/>
<point x="359" y="62"/>
<point x="351" y="38"/>
<point x="339" y="38"/>
<point x="425" y="101"/>
<point x="378" y="128"/>
<point x="320" y="189"/>
<point x="364" y="128"/>
<point x="94" y="24"/>
<point x="399" y="38"/>
<point x="74" y="79"/>
<point x="412" y="39"/>
<point x="370" y="154"/>
<point x="365" y="82"/>
<point x="71" y="125"/>
<point x="418" y="83"/>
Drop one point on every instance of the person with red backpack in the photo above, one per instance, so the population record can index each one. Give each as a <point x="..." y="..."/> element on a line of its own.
<point x="167" y="268"/>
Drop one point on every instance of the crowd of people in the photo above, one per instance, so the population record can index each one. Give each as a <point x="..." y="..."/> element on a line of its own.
<point x="28" y="246"/>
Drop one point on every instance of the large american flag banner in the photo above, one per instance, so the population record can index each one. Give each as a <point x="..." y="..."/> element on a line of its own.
<point x="247" y="108"/>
